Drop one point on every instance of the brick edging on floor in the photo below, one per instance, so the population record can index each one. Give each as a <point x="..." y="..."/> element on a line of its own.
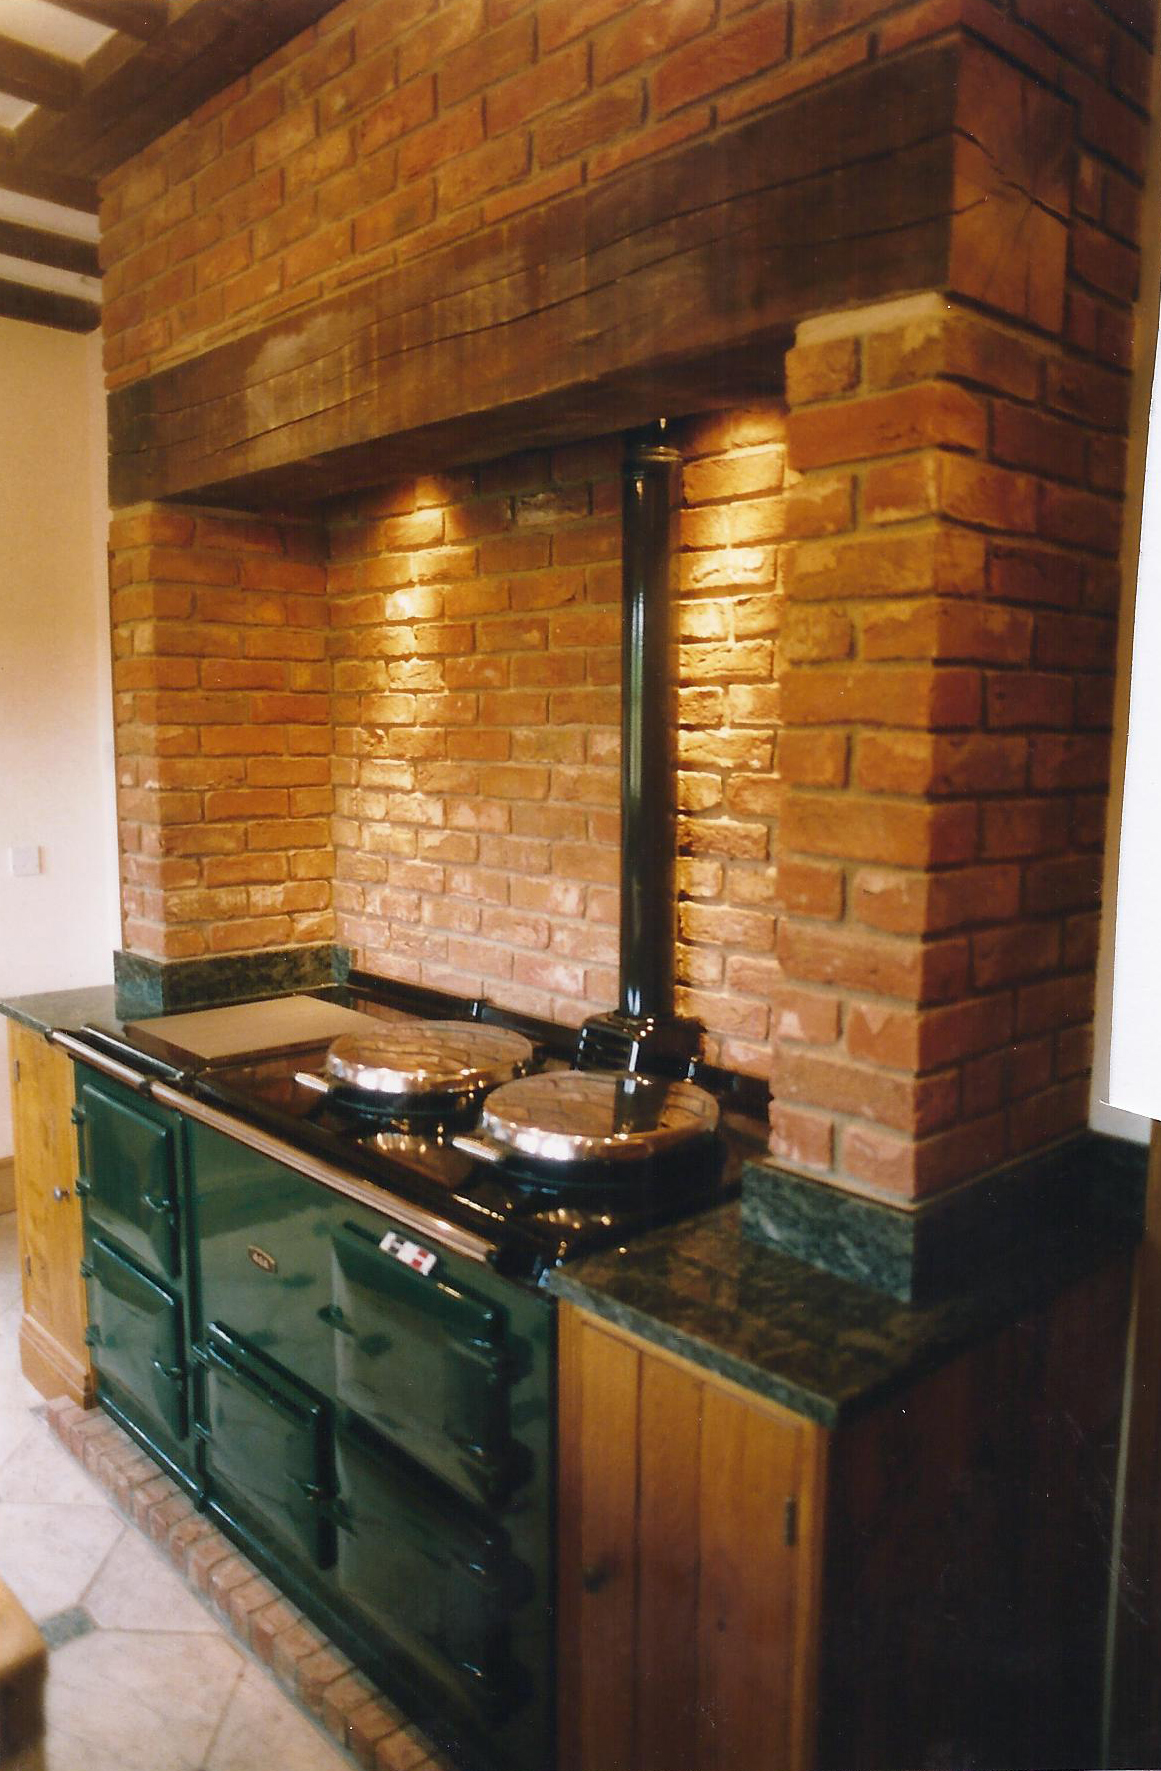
<point x="310" y="1669"/>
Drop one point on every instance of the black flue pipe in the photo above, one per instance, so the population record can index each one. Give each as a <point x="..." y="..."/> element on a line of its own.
<point x="651" y="497"/>
<point x="644" y="1033"/>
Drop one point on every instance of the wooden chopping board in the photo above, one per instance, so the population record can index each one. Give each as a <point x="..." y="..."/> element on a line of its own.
<point x="275" y="1022"/>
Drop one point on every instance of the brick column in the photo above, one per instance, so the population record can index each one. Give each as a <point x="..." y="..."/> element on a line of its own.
<point x="947" y="652"/>
<point x="222" y="708"/>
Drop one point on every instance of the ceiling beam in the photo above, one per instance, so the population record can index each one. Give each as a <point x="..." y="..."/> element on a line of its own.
<point x="44" y="307"/>
<point x="132" y="99"/>
<point x="136" y="18"/>
<point x="40" y="246"/>
<point x="37" y="77"/>
<point x="49" y="187"/>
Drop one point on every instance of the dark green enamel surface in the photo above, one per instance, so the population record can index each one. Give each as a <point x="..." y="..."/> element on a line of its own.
<point x="379" y="1440"/>
<point x="130" y="1166"/>
<point x="133" y="1151"/>
<point x="432" y="1542"/>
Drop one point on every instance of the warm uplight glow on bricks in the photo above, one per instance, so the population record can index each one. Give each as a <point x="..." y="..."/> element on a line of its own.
<point x="895" y="617"/>
<point x="476" y="646"/>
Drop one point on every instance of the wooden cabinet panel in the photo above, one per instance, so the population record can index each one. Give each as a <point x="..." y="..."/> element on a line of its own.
<point x="669" y="1504"/>
<point x="52" y="1335"/>
<point x="970" y="1525"/>
<point x="598" y="1378"/>
<point x="686" y="1581"/>
<point x="750" y="1472"/>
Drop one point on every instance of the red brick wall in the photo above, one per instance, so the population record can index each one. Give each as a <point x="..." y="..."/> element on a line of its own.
<point x="946" y="704"/>
<point x="892" y="804"/>
<point x="476" y="639"/>
<point x="394" y="126"/>
<point x="447" y="653"/>
<point x="222" y="709"/>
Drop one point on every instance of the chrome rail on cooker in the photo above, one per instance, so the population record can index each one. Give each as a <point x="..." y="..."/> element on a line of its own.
<point x="315" y="1168"/>
<point x="413" y="1217"/>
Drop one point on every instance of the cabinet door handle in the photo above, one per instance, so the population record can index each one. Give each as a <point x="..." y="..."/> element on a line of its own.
<point x="83" y="1186"/>
<point x="61" y="1193"/>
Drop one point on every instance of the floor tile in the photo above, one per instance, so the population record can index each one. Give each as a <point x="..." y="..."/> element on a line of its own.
<point x="137" y="1590"/>
<point x="119" y="1701"/>
<point x="16" y="1425"/>
<point x="66" y="1626"/>
<point x="15" y="1390"/>
<point x="49" y="1554"/>
<point x="43" y="1471"/>
<point x="258" y="1712"/>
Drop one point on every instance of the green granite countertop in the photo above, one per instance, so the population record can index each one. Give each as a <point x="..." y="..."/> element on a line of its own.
<point x="823" y="1346"/>
<point x="66" y="1009"/>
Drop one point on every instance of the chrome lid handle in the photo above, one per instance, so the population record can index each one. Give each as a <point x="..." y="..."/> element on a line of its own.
<point x="484" y="1148"/>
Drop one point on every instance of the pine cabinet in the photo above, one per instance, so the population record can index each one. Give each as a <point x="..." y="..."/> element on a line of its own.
<point x="926" y="1583"/>
<point x="689" y="1564"/>
<point x="53" y="1354"/>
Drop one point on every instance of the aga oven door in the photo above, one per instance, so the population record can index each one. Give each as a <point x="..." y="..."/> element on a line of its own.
<point x="436" y="1581"/>
<point x="427" y="1360"/>
<point x="135" y="1331"/>
<point x="131" y="1165"/>
<point x="266" y="1448"/>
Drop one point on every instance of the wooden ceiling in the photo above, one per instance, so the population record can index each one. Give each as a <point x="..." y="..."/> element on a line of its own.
<point x="84" y="85"/>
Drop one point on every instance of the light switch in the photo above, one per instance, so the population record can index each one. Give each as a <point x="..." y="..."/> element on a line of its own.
<point x="23" y="862"/>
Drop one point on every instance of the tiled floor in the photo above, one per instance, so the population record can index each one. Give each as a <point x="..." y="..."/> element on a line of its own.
<point x="141" y="1675"/>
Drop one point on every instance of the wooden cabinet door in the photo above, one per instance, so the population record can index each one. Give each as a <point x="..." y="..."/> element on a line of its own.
<point x="690" y="1549"/>
<point x="52" y="1335"/>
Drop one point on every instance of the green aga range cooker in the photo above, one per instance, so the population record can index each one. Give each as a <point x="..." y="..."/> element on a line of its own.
<point x="315" y="1229"/>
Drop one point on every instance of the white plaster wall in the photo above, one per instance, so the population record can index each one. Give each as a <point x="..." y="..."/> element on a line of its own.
<point x="58" y="929"/>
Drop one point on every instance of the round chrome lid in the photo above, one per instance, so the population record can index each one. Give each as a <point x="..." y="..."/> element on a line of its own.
<point x="594" y="1116"/>
<point x="427" y="1058"/>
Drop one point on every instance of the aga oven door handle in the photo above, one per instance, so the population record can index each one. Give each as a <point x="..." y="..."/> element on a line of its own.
<point x="334" y="1318"/>
<point x="99" y="1061"/>
<point x="414" y="1217"/>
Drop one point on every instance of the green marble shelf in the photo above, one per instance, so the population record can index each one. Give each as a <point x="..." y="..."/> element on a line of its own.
<point x="824" y="1346"/>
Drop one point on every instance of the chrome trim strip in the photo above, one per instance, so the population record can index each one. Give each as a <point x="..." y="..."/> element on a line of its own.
<point x="315" y="1168"/>
<point x="483" y="1149"/>
<point x="88" y="1054"/>
<point x="310" y="1079"/>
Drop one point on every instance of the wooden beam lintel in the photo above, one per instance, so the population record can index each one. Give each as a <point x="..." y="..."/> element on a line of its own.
<point x="605" y="308"/>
